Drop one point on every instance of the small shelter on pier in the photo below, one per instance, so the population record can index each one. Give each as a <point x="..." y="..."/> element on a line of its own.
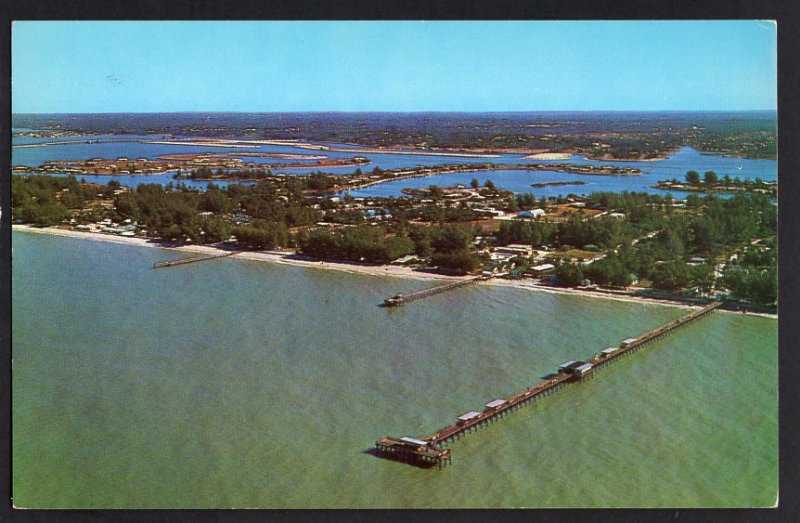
<point x="582" y="370"/>
<point x="414" y="441"/>
<point x="566" y="365"/>
<point x="576" y="368"/>
<point x="494" y="404"/>
<point x="468" y="416"/>
<point x="608" y="351"/>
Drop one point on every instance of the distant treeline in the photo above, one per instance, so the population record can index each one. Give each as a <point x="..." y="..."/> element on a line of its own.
<point x="621" y="135"/>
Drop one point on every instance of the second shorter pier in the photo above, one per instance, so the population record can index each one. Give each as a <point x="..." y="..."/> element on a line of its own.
<point x="184" y="261"/>
<point x="401" y="299"/>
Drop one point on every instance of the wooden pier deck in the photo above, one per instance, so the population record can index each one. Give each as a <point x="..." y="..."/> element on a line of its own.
<point x="184" y="261"/>
<point x="428" y="450"/>
<point x="401" y="299"/>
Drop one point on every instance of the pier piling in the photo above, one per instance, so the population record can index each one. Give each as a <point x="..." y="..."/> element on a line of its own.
<point x="427" y="450"/>
<point x="401" y="299"/>
<point x="184" y="261"/>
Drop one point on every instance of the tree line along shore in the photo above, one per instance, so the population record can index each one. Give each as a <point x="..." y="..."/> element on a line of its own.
<point x="711" y="183"/>
<point x="220" y="166"/>
<point x="700" y="246"/>
<point x="195" y="165"/>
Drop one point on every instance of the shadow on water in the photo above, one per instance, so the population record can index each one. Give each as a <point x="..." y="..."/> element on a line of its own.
<point x="398" y="459"/>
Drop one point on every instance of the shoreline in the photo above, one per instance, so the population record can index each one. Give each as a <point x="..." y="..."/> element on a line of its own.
<point x="282" y="258"/>
<point x="378" y="150"/>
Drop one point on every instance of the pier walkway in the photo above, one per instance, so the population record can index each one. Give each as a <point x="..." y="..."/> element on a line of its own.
<point x="184" y="261"/>
<point x="428" y="451"/>
<point x="401" y="299"/>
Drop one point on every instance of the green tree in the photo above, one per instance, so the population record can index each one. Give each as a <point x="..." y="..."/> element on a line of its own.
<point x="421" y="236"/>
<point x="72" y="199"/>
<point x="693" y="177"/>
<point x="671" y="243"/>
<point x="215" y="229"/>
<point x="262" y="235"/>
<point x="706" y="234"/>
<point x="474" y="183"/>
<point x="214" y="200"/>
<point x="752" y="285"/>
<point x="710" y="178"/>
<point x="671" y="276"/>
<point x="568" y="274"/>
<point x="612" y="270"/>
<point x="702" y="277"/>
<point x="462" y="261"/>
<point x="44" y="215"/>
<point x="452" y="238"/>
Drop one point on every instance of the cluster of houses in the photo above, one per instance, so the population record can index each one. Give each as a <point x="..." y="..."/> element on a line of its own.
<point x="124" y="165"/>
<point x="126" y="228"/>
<point x="502" y="260"/>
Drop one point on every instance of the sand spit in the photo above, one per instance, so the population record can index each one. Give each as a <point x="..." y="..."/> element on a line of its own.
<point x="548" y="156"/>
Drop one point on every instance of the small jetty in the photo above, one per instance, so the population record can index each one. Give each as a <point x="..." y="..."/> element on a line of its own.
<point x="428" y="451"/>
<point x="184" y="261"/>
<point x="401" y="299"/>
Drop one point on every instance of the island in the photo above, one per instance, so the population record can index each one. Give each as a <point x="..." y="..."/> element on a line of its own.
<point x="558" y="184"/>
<point x="711" y="183"/>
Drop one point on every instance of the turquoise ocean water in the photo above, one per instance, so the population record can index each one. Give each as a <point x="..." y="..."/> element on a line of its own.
<point x="232" y="383"/>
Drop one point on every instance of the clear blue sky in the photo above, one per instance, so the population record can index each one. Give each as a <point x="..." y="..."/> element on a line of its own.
<point x="392" y="66"/>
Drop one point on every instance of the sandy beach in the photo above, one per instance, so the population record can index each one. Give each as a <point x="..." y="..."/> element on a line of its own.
<point x="375" y="150"/>
<point x="287" y="258"/>
<point x="196" y="143"/>
<point x="548" y="156"/>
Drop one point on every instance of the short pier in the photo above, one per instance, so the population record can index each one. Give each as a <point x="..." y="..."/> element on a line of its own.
<point x="401" y="299"/>
<point x="428" y="451"/>
<point x="184" y="261"/>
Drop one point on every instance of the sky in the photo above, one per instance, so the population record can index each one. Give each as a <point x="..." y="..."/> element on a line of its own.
<point x="95" y="67"/>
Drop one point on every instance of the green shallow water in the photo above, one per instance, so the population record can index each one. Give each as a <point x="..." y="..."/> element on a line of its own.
<point x="232" y="383"/>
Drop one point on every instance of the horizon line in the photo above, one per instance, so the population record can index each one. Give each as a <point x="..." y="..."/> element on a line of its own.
<point x="416" y="111"/>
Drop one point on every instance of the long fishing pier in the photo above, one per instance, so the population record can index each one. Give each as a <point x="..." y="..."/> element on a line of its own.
<point x="184" y="261"/>
<point x="427" y="451"/>
<point x="401" y="299"/>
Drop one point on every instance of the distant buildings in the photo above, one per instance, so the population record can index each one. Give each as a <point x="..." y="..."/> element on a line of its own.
<point x="532" y="214"/>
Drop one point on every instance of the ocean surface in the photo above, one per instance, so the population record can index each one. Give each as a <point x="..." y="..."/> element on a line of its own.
<point x="676" y="166"/>
<point x="232" y="383"/>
